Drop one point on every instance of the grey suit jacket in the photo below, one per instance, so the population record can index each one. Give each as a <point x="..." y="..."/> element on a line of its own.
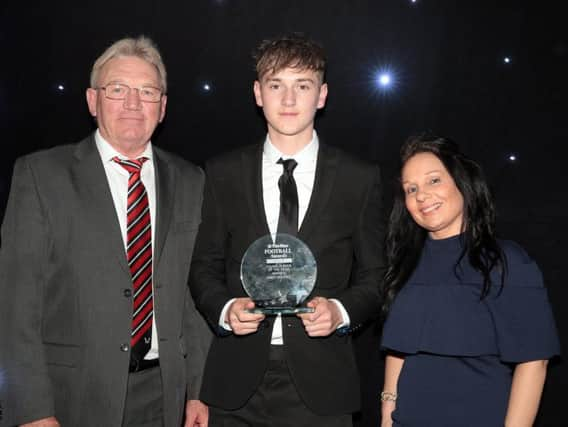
<point x="65" y="312"/>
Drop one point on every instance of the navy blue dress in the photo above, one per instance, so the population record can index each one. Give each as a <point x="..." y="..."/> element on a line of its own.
<point x="460" y="351"/>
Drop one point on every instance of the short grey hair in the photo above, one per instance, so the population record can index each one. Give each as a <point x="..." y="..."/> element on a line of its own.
<point x="141" y="47"/>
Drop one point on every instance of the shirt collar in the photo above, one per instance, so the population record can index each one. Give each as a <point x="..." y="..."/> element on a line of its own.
<point x="108" y="152"/>
<point x="303" y="157"/>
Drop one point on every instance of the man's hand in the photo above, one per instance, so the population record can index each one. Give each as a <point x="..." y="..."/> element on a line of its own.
<point x="44" y="422"/>
<point x="196" y="414"/>
<point x="242" y="322"/>
<point x="324" y="321"/>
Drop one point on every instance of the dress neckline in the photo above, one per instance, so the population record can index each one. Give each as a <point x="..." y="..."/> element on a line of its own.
<point x="448" y="244"/>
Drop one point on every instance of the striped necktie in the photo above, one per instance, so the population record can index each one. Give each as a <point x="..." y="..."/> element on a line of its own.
<point x="139" y="257"/>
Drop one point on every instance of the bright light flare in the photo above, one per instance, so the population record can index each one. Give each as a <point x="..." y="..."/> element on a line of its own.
<point x="384" y="79"/>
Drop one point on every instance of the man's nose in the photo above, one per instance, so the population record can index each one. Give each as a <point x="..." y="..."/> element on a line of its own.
<point x="132" y="100"/>
<point x="289" y="98"/>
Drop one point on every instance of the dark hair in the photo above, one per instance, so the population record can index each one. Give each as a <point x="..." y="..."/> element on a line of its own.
<point x="294" y="51"/>
<point x="405" y="238"/>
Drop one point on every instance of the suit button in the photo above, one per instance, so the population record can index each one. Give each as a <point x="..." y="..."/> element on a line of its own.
<point x="124" y="347"/>
<point x="289" y="325"/>
<point x="127" y="293"/>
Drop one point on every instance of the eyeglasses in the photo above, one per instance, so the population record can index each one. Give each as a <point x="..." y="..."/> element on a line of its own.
<point x="119" y="91"/>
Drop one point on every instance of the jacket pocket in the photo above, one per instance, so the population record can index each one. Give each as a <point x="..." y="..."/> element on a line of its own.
<point x="62" y="354"/>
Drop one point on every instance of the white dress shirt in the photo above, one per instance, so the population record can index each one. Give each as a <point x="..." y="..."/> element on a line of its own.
<point x="304" y="175"/>
<point x="117" y="178"/>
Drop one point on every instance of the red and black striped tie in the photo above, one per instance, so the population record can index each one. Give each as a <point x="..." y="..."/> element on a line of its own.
<point x="139" y="257"/>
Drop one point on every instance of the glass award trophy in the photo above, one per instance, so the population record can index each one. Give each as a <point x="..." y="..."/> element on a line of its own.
<point x="279" y="274"/>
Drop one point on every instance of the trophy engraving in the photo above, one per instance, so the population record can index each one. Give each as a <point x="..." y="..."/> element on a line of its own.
<point x="279" y="274"/>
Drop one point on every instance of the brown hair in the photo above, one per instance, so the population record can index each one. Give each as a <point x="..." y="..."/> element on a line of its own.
<point x="291" y="51"/>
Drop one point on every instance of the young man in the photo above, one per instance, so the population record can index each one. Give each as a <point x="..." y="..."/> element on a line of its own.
<point x="290" y="370"/>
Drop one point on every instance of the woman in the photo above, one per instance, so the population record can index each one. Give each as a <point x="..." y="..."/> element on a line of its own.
<point x="469" y="330"/>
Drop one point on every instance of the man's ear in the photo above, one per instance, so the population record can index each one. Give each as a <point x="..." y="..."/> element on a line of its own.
<point x="257" y="93"/>
<point x="91" y="96"/>
<point x="322" y="96"/>
<point x="163" y="101"/>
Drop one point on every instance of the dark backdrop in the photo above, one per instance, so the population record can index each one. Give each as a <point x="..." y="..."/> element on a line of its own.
<point x="449" y="76"/>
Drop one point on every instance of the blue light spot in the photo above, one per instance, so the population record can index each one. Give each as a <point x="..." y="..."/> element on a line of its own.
<point x="385" y="79"/>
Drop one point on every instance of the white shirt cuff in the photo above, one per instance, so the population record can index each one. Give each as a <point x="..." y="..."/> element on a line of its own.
<point x="344" y="316"/>
<point x="223" y="316"/>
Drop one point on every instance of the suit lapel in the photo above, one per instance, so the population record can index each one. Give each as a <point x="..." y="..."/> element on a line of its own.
<point x="251" y="163"/>
<point x="326" y="170"/>
<point x="165" y="190"/>
<point x="94" y="191"/>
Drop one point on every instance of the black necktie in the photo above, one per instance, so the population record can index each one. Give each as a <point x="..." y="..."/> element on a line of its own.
<point x="288" y="218"/>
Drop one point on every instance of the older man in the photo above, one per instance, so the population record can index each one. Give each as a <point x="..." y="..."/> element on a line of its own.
<point x="99" y="327"/>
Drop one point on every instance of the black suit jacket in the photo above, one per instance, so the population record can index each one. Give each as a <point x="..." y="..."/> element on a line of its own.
<point x="65" y="297"/>
<point x="342" y="227"/>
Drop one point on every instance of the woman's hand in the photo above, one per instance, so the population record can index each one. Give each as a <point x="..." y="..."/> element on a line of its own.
<point x="386" y="413"/>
